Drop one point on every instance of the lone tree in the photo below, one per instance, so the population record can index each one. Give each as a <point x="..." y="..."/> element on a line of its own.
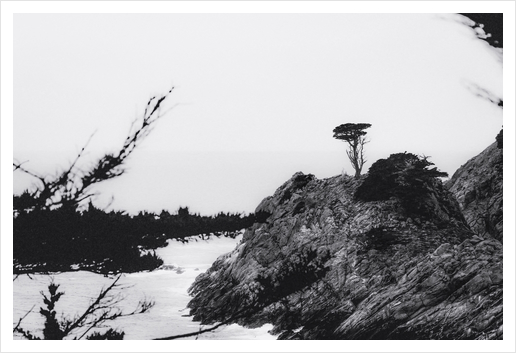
<point x="354" y="135"/>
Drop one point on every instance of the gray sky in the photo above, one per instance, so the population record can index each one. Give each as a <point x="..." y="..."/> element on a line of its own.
<point x="257" y="97"/>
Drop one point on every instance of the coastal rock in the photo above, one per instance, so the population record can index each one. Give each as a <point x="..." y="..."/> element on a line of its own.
<point x="478" y="187"/>
<point x="326" y="266"/>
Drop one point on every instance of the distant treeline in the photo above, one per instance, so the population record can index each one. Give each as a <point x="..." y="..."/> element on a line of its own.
<point x="56" y="230"/>
<point x="66" y="239"/>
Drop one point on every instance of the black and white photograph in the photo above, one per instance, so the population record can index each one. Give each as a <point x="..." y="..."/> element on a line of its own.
<point x="222" y="176"/>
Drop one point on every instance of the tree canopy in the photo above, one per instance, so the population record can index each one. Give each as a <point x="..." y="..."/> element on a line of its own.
<point x="350" y="132"/>
<point x="354" y="135"/>
<point x="407" y="177"/>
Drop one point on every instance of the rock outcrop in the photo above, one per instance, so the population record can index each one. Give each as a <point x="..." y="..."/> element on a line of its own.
<point x="326" y="266"/>
<point x="478" y="187"/>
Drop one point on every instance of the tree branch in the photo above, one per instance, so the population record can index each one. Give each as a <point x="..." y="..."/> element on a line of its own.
<point x="71" y="187"/>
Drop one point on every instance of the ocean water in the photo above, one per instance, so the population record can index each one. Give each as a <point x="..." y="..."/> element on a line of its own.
<point x="167" y="287"/>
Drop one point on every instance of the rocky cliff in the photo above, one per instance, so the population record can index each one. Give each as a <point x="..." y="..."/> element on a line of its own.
<point x="478" y="187"/>
<point x="326" y="266"/>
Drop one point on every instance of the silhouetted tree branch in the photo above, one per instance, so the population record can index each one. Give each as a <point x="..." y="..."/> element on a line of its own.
<point x="484" y="94"/>
<point x="101" y="310"/>
<point x="72" y="186"/>
<point x="488" y="27"/>
<point x="240" y="314"/>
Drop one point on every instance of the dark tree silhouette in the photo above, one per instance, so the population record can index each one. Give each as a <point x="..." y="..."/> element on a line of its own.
<point x="101" y="310"/>
<point x="488" y="27"/>
<point x="491" y="24"/>
<point x="72" y="186"/>
<point x="408" y="177"/>
<point x="354" y="135"/>
<point x="110" y="242"/>
<point x="57" y="228"/>
<point x="51" y="229"/>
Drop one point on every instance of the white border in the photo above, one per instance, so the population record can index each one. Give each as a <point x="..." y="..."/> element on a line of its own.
<point x="254" y="6"/>
<point x="8" y="9"/>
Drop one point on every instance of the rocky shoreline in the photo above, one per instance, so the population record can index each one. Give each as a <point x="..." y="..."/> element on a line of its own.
<point x="327" y="266"/>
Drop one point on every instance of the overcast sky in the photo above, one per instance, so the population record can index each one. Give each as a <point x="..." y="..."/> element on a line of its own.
<point x="256" y="98"/>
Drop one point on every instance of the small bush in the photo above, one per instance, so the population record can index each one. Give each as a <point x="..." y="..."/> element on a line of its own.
<point x="101" y="310"/>
<point x="108" y="335"/>
<point x="404" y="176"/>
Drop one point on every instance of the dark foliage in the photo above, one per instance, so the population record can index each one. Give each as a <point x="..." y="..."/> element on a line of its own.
<point x="52" y="331"/>
<point x="51" y="233"/>
<point x="354" y="135"/>
<point x="491" y="23"/>
<point x="73" y="186"/>
<point x="350" y="131"/>
<point x="109" y="242"/>
<point x="101" y="310"/>
<point x="108" y="335"/>
<point x="488" y="27"/>
<point x="404" y="176"/>
<point x="55" y="229"/>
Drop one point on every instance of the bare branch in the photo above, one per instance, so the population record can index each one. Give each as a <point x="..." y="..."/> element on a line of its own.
<point x="17" y="164"/>
<point x="79" y="322"/>
<point x="237" y="316"/>
<point x="484" y="93"/>
<point x="71" y="187"/>
<point x="16" y="328"/>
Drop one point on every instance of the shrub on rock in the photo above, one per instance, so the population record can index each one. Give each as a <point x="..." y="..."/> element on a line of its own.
<point x="405" y="176"/>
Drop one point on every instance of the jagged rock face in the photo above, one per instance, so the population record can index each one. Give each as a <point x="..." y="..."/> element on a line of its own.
<point x="325" y="266"/>
<point x="478" y="187"/>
